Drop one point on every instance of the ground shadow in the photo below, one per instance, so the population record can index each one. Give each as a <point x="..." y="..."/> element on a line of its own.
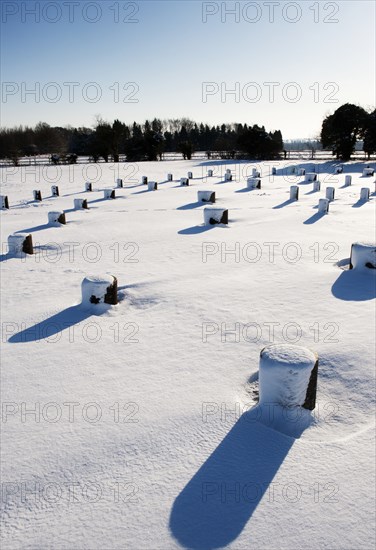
<point x="355" y="286"/>
<point x="359" y="203"/>
<point x="191" y="205"/>
<point x="195" y="229"/>
<point x="214" y="507"/>
<point x="53" y="325"/>
<point x="283" y="204"/>
<point x="314" y="218"/>
<point x="41" y="227"/>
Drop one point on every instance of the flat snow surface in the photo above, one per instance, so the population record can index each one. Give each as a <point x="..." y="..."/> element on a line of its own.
<point x="146" y="432"/>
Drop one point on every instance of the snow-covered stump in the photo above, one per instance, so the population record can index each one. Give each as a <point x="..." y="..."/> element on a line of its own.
<point x="19" y="243"/>
<point x="184" y="181"/>
<point x="228" y="176"/>
<point x="152" y="186"/>
<point x="144" y="180"/>
<point x="329" y="193"/>
<point x="99" y="290"/>
<point x="55" y="191"/>
<point x="255" y="173"/>
<point x="56" y="218"/>
<point x="274" y="171"/>
<point x="37" y="195"/>
<point x="323" y="206"/>
<point x="210" y="173"/>
<point x="294" y="193"/>
<point x="363" y="256"/>
<point x="190" y="175"/>
<point x="310" y="176"/>
<point x="214" y="216"/>
<point x="109" y="194"/>
<point x="368" y="171"/>
<point x="80" y="204"/>
<point x="288" y="376"/>
<point x="4" y="203"/>
<point x="169" y="177"/>
<point x="316" y="185"/>
<point x="119" y="183"/>
<point x="301" y="172"/>
<point x="338" y="170"/>
<point x="88" y="186"/>
<point x="364" y="194"/>
<point x="254" y="183"/>
<point x="348" y="180"/>
<point x="206" y="196"/>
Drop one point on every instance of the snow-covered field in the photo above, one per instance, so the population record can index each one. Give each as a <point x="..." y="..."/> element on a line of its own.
<point x="133" y="428"/>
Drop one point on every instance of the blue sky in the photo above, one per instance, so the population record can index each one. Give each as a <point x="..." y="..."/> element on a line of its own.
<point x="146" y="59"/>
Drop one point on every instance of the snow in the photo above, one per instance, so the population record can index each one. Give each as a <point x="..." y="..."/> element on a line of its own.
<point x="146" y="431"/>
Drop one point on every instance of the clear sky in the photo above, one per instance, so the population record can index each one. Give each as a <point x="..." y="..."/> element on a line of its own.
<point x="288" y="64"/>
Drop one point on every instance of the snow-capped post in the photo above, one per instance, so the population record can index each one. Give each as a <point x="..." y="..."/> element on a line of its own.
<point x="274" y="171"/>
<point x="214" y="216"/>
<point x="54" y="190"/>
<point x="228" y="176"/>
<point x="37" y="195"/>
<point x="329" y="193"/>
<point x="301" y="172"/>
<point x="4" y="203"/>
<point x="190" y="175"/>
<point x="338" y="170"/>
<point x="119" y="183"/>
<point x="99" y="290"/>
<point x="152" y="186"/>
<point x="80" y="204"/>
<point x="254" y="183"/>
<point x="363" y="256"/>
<point x="169" y="177"/>
<point x="144" y="180"/>
<point x="184" y="181"/>
<point x="206" y="196"/>
<point x="364" y="194"/>
<point x="310" y="176"/>
<point x="255" y="173"/>
<point x="88" y="186"/>
<point x="56" y="218"/>
<point x="348" y="179"/>
<point x="294" y="193"/>
<point x="288" y="376"/>
<point x="368" y="171"/>
<point x="19" y="243"/>
<point x="316" y="185"/>
<point x="210" y="173"/>
<point x="323" y="206"/>
<point x="109" y="193"/>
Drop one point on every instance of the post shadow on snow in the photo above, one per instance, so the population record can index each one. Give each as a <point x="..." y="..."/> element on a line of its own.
<point x="195" y="229"/>
<point x="355" y="286"/>
<point x="283" y="204"/>
<point x="53" y="325"/>
<point x="314" y="218"/>
<point x="215" y="505"/>
<point x="359" y="203"/>
<point x="22" y="256"/>
<point x="191" y="205"/>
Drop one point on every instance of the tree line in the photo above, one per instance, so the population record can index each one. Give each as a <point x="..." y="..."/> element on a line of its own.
<point x="340" y="133"/>
<point x="137" y="142"/>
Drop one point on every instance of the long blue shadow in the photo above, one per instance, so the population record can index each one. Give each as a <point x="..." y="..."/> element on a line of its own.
<point x="195" y="229"/>
<point x="52" y="326"/>
<point x="283" y="204"/>
<point x="315" y="218"/>
<point x="214" y="507"/>
<point x="359" y="203"/>
<point x="354" y="286"/>
<point x="191" y="205"/>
